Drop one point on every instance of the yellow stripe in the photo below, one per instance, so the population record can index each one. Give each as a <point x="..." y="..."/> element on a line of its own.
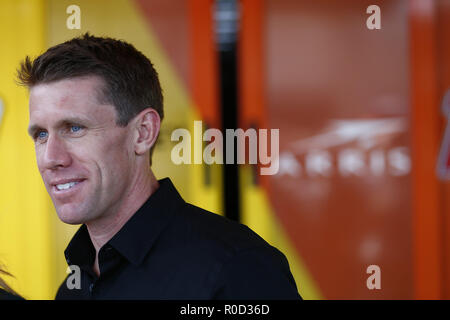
<point x="25" y="223"/>
<point x="258" y="215"/>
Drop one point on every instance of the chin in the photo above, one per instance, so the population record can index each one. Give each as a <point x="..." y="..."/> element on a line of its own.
<point x="69" y="216"/>
<point x="70" y="220"/>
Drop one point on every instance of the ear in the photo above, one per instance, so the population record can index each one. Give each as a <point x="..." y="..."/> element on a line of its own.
<point x="147" y="124"/>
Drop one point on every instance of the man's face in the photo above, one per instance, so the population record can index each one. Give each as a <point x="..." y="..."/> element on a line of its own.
<point x="84" y="158"/>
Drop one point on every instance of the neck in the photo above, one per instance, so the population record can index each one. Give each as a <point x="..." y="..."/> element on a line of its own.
<point x="102" y="230"/>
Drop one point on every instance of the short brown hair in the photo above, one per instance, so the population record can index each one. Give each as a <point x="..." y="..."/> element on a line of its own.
<point x="131" y="81"/>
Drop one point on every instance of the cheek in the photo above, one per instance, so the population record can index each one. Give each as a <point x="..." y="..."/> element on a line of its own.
<point x="115" y="156"/>
<point x="39" y="152"/>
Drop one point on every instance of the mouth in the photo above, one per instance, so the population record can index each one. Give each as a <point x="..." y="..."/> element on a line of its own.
<point x="66" y="188"/>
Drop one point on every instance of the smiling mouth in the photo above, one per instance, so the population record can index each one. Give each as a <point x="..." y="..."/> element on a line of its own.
<point x="66" y="186"/>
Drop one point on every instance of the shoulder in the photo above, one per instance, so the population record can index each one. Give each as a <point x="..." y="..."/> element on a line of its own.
<point x="241" y="264"/>
<point x="217" y="232"/>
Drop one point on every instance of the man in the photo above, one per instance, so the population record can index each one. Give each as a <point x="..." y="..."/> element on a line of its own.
<point x="95" y="112"/>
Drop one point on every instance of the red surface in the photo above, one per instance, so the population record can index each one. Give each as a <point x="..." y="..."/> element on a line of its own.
<point x="323" y="64"/>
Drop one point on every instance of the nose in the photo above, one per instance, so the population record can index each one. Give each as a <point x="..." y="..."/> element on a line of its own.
<point x="55" y="155"/>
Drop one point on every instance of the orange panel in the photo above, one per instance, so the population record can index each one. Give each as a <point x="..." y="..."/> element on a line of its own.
<point x="251" y="65"/>
<point x="427" y="218"/>
<point x="251" y="71"/>
<point x="204" y="79"/>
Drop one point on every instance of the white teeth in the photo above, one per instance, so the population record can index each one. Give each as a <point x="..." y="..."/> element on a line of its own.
<point x="66" y="186"/>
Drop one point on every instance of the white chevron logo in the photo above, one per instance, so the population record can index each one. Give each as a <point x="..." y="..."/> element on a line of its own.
<point x="349" y="147"/>
<point x="341" y="132"/>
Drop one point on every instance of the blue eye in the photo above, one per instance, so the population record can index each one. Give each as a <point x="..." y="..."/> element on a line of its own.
<point x="75" y="128"/>
<point x="42" y="135"/>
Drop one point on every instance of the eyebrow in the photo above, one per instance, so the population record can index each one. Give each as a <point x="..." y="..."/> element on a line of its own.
<point x="32" y="129"/>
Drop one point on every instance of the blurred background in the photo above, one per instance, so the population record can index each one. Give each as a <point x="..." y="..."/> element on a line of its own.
<point x="360" y="120"/>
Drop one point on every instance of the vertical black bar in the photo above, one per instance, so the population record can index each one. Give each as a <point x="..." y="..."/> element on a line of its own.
<point x="226" y="16"/>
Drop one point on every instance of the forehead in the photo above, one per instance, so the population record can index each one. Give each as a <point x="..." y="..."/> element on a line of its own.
<point x="69" y="97"/>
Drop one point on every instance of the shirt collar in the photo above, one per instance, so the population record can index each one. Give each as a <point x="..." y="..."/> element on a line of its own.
<point x="134" y="240"/>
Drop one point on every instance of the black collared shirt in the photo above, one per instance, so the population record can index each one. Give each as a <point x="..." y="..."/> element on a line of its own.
<point x="170" y="249"/>
<point x="5" y="295"/>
